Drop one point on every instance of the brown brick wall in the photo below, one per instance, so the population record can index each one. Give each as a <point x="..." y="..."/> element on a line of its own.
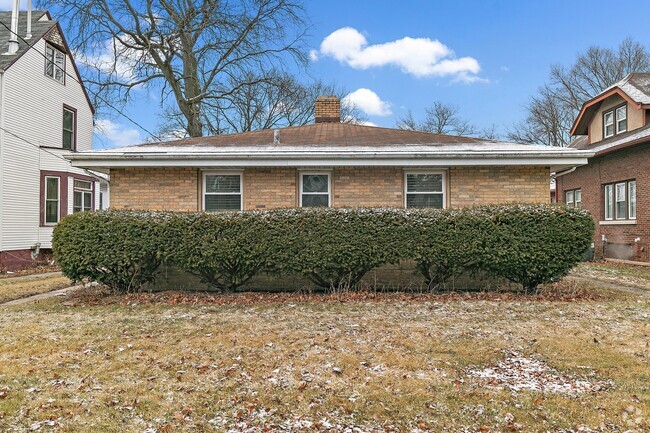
<point x="266" y="188"/>
<point x="470" y="186"/>
<point x="369" y="187"/>
<point x="174" y="189"/>
<point x="633" y="163"/>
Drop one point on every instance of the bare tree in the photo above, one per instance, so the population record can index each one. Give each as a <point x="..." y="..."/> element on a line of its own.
<point x="439" y="119"/>
<point x="550" y="113"/>
<point x="196" y="53"/>
<point x="277" y="101"/>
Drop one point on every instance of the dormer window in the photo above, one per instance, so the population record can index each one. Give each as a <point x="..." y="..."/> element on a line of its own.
<point x="615" y="121"/>
<point x="54" y="63"/>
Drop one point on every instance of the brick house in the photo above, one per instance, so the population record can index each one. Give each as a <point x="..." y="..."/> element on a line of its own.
<point x="328" y="163"/>
<point x="615" y="185"/>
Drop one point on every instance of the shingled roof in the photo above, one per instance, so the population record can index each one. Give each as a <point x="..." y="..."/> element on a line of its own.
<point x="39" y="29"/>
<point x="634" y="87"/>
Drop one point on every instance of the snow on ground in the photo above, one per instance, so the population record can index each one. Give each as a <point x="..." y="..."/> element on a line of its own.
<point x="518" y="372"/>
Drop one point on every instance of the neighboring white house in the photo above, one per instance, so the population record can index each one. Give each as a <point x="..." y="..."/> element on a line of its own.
<point x="45" y="113"/>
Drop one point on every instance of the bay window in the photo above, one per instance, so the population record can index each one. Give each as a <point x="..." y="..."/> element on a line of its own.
<point x="82" y="196"/>
<point x="52" y="199"/>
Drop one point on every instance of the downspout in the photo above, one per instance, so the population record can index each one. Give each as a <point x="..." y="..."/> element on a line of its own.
<point x="2" y="141"/>
<point x="562" y="173"/>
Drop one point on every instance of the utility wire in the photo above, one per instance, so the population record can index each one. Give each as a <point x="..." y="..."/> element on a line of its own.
<point x="95" y="94"/>
<point x="33" y="144"/>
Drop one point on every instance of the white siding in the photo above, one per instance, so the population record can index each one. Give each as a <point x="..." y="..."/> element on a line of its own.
<point x="32" y="107"/>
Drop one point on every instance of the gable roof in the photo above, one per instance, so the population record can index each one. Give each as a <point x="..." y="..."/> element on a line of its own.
<point x="634" y="88"/>
<point x="329" y="144"/>
<point x="617" y="142"/>
<point x="40" y="28"/>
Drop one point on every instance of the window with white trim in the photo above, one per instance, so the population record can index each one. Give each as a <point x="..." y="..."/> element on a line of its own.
<point x="615" y="121"/>
<point x="222" y="192"/>
<point x="573" y="198"/>
<point x="620" y="200"/>
<point x="54" y="63"/>
<point x="315" y="189"/>
<point x="52" y="199"/>
<point x="425" y="190"/>
<point x="82" y="196"/>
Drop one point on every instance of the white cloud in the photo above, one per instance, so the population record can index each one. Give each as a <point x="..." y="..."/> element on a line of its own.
<point x="368" y="101"/>
<point x="313" y="55"/>
<point x="421" y="57"/>
<point x="117" y="134"/>
<point x="505" y="68"/>
<point x="114" y="59"/>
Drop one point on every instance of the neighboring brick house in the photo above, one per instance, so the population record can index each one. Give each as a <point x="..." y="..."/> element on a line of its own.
<point x="615" y="185"/>
<point x="327" y="164"/>
<point x="45" y="114"/>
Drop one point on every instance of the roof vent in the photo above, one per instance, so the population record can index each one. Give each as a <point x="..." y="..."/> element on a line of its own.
<point x="13" y="36"/>
<point x="276" y="136"/>
<point x="327" y="109"/>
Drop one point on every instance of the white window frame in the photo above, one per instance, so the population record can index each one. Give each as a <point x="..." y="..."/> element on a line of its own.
<point x="55" y="51"/>
<point x="317" y="173"/>
<point x="605" y="124"/>
<point x="444" y="185"/>
<point x="58" y="201"/>
<point x="204" y="192"/>
<point x="577" y="193"/>
<point x="83" y="192"/>
<point x="618" y="121"/>
<point x="570" y="203"/>
<point x="617" y="201"/>
<point x="629" y="200"/>
<point x="609" y="206"/>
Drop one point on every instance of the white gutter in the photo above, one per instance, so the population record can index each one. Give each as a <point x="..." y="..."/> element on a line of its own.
<point x="562" y="173"/>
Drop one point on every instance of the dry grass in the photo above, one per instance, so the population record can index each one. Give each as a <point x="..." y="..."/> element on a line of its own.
<point x="387" y="365"/>
<point x="638" y="276"/>
<point x="15" y="288"/>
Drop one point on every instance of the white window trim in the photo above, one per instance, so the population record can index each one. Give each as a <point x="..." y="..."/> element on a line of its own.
<point x="328" y="173"/>
<point x="617" y="120"/>
<point x="612" y="209"/>
<point x="444" y="185"/>
<point x="58" y="201"/>
<point x="629" y="200"/>
<point x="239" y="173"/>
<point x="573" y="197"/>
<point x="617" y="201"/>
<point x="605" y="124"/>
<point x="83" y="191"/>
<point x="54" y="65"/>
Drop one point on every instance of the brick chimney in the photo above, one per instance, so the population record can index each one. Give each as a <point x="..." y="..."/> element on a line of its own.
<point x="327" y="109"/>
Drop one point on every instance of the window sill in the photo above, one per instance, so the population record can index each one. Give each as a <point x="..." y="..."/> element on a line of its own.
<point x="618" y="223"/>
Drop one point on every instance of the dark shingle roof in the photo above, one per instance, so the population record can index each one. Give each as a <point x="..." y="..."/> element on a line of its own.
<point x="39" y="29"/>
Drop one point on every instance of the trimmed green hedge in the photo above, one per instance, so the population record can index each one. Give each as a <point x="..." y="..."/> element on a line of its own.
<point x="527" y="244"/>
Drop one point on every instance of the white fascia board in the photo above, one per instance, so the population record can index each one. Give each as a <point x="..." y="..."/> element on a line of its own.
<point x="97" y="162"/>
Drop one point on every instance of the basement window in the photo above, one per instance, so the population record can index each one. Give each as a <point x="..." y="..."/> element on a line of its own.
<point x="315" y="189"/>
<point x="54" y="63"/>
<point x="222" y="192"/>
<point x="83" y="196"/>
<point x="425" y="190"/>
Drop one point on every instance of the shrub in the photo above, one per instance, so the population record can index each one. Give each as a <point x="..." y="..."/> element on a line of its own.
<point x="335" y="248"/>
<point x="121" y="249"/>
<point x="226" y="250"/>
<point x="527" y="244"/>
<point x="532" y="244"/>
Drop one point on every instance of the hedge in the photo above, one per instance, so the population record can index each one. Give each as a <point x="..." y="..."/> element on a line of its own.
<point x="527" y="244"/>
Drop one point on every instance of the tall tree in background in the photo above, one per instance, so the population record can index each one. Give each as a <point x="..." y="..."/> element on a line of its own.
<point x="198" y="54"/>
<point x="550" y="113"/>
<point x="443" y="118"/>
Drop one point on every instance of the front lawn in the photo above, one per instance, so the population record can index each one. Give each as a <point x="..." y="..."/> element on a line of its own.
<point x="20" y="287"/>
<point x="634" y="275"/>
<point x="380" y="363"/>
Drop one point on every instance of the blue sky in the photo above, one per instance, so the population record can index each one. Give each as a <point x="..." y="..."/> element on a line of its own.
<point x="501" y="51"/>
